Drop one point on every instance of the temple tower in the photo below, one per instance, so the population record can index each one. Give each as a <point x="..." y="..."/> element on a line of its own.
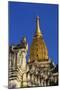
<point x="17" y="65"/>
<point x="38" y="50"/>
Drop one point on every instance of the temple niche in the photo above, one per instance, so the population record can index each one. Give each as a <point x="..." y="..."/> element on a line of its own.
<point x="39" y="70"/>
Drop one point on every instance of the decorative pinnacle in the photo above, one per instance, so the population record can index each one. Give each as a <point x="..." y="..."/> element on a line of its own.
<point x="38" y="32"/>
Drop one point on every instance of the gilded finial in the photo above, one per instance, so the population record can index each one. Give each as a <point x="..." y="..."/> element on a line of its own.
<point x="38" y="32"/>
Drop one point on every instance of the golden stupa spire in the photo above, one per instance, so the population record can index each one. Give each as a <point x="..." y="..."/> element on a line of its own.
<point x="38" y="31"/>
<point x="38" y="49"/>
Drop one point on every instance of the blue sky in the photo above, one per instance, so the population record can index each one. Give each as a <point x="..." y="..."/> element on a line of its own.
<point x="22" y="22"/>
